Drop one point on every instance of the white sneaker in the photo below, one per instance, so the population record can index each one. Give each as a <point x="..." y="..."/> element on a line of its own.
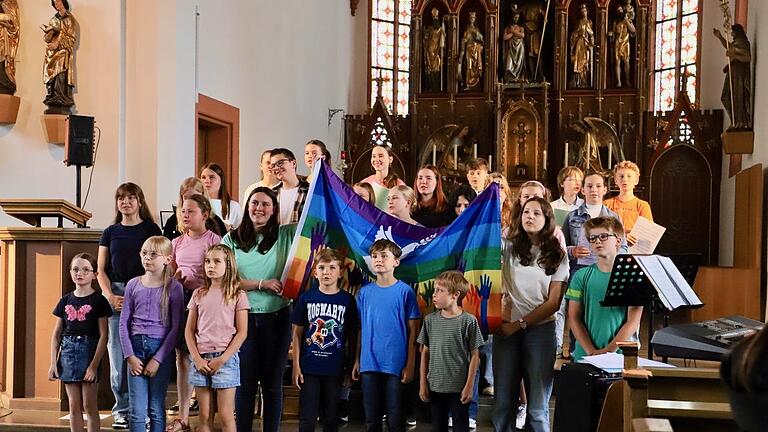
<point x="450" y="422"/>
<point x="119" y="422"/>
<point x="472" y="423"/>
<point x="521" y="414"/>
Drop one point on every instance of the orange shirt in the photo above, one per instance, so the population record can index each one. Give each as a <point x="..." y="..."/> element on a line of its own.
<point x="629" y="211"/>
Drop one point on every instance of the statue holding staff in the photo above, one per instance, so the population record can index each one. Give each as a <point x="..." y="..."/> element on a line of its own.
<point x="471" y="55"/>
<point x="60" y="35"/>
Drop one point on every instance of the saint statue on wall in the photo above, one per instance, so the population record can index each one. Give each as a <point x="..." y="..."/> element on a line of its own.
<point x="737" y="87"/>
<point x="534" y="25"/>
<point x="9" y="43"/>
<point x="434" y="52"/>
<point x="60" y="35"/>
<point x="582" y="46"/>
<point x="623" y="30"/>
<point x="471" y="55"/>
<point x="514" y="48"/>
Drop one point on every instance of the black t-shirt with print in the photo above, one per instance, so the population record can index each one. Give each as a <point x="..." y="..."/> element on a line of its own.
<point x="81" y="314"/>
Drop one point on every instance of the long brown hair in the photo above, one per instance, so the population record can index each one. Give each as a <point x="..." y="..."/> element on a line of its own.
<point x="391" y="179"/>
<point x="230" y="284"/>
<point x="246" y="237"/>
<point x="506" y="206"/>
<point x="438" y="203"/>
<point x="323" y="149"/>
<point x="517" y="208"/>
<point x="205" y="207"/>
<point x="223" y="192"/>
<point x="162" y="246"/>
<point x="128" y="189"/>
<point x="193" y="183"/>
<point x="371" y="193"/>
<point x="744" y="368"/>
<point x="551" y="252"/>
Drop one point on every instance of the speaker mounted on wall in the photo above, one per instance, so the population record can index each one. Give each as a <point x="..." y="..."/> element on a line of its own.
<point x="78" y="142"/>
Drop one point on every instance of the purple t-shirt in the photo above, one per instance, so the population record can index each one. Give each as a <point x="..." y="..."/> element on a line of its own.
<point x="141" y="316"/>
<point x="189" y="255"/>
<point x="216" y="319"/>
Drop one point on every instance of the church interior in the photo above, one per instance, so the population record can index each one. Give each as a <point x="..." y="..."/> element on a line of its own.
<point x="149" y="92"/>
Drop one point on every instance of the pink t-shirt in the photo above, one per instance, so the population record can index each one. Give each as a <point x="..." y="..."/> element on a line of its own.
<point x="216" y="319"/>
<point x="189" y="255"/>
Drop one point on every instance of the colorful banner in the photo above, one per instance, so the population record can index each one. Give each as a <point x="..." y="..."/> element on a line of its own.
<point x="335" y="217"/>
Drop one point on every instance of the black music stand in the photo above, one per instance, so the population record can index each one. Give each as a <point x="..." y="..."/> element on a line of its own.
<point x="640" y="280"/>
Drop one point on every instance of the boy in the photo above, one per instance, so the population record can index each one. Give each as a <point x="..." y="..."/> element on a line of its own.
<point x="325" y="323"/>
<point x="389" y="309"/>
<point x="626" y="174"/>
<point x="569" y="182"/>
<point x="477" y="174"/>
<point x="292" y="190"/>
<point x="599" y="328"/>
<point x="450" y="340"/>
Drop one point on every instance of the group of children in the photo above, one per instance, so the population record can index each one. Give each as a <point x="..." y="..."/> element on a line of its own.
<point x="159" y="296"/>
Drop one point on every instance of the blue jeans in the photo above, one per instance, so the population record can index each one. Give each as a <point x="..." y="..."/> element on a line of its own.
<point x="474" y="403"/>
<point x="527" y="355"/>
<point x="382" y="390"/>
<point x="263" y="356"/>
<point x="148" y="394"/>
<point x="319" y="390"/>
<point x="487" y="349"/>
<point x="118" y="371"/>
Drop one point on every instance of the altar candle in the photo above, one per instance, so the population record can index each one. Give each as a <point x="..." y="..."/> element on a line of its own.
<point x="610" y="159"/>
<point x="566" y="154"/>
<point x="545" y="160"/>
<point x="434" y="154"/>
<point x="455" y="156"/>
<point x="490" y="162"/>
<point x="589" y="150"/>
<point x="474" y="150"/>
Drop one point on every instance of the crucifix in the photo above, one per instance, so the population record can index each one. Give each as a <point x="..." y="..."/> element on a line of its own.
<point x="379" y="81"/>
<point x="522" y="133"/>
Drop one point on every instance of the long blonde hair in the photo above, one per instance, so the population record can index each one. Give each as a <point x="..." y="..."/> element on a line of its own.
<point x="408" y="194"/>
<point x="188" y="183"/>
<point x="162" y="246"/>
<point x="230" y="283"/>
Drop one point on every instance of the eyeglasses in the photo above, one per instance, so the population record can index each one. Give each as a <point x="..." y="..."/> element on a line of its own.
<point x="602" y="237"/>
<point x="151" y="255"/>
<point x="77" y="270"/>
<point x="279" y="164"/>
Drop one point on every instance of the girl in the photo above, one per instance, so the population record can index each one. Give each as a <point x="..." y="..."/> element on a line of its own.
<point x="187" y="266"/>
<point x="505" y="198"/>
<point x="745" y="374"/>
<point x="214" y="182"/>
<point x="401" y="202"/>
<point x="528" y="190"/>
<point x="365" y="191"/>
<point x="383" y="178"/>
<point x="261" y="248"/>
<point x="79" y="341"/>
<point x="431" y="205"/>
<point x="218" y="320"/>
<point x="460" y="199"/>
<point x="534" y="273"/>
<point x="119" y="262"/>
<point x="324" y="329"/>
<point x="267" y="178"/>
<point x="174" y="227"/>
<point x="149" y="327"/>
<point x="313" y="150"/>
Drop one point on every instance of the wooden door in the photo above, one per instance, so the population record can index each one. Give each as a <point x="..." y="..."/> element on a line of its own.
<point x="217" y="139"/>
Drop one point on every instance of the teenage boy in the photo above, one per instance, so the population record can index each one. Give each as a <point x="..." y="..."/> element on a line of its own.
<point x="626" y="174"/>
<point x="477" y="174"/>
<point x="450" y="340"/>
<point x="388" y="309"/>
<point x="292" y="190"/>
<point x="569" y="181"/>
<point x="599" y="329"/>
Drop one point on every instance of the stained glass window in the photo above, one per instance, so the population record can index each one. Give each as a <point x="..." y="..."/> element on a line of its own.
<point x="677" y="49"/>
<point x="390" y="52"/>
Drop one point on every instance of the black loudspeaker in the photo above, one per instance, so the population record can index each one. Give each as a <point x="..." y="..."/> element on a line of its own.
<point x="78" y="144"/>
<point x="581" y="390"/>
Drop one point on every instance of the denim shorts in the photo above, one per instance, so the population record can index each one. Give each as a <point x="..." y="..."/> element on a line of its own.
<point x="227" y="376"/>
<point x="75" y="354"/>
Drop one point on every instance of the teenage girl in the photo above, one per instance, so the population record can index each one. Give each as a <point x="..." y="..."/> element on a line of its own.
<point x="214" y="182"/>
<point x="382" y="178"/>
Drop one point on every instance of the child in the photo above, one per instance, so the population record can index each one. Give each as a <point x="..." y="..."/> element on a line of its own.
<point x="477" y="174"/>
<point x="626" y="174"/>
<point x="388" y="309"/>
<point x="216" y="328"/>
<point x="450" y="340"/>
<point x="599" y="328"/>
<point x="324" y="325"/>
<point x="401" y="203"/>
<point x="79" y="342"/>
<point x="149" y="326"/>
<point x="215" y="184"/>
<point x="383" y="177"/>
<point x="365" y="191"/>
<point x="187" y="265"/>
<point x="569" y="182"/>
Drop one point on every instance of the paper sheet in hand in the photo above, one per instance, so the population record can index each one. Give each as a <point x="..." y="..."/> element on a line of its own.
<point x="614" y="362"/>
<point x="647" y="234"/>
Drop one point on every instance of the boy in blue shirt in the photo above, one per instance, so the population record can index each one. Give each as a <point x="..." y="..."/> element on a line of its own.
<point x="388" y="309"/>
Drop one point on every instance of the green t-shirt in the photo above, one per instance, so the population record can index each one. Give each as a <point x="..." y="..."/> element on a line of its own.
<point x="253" y="265"/>
<point x="588" y="287"/>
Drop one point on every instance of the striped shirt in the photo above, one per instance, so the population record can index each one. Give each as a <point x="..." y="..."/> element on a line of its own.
<point x="450" y="342"/>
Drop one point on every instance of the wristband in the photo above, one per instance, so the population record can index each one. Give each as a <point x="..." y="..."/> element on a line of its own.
<point x="260" y="281"/>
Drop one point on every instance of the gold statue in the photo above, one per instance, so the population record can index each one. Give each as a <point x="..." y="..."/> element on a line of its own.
<point x="9" y="43"/>
<point x="623" y="29"/>
<point x="514" y="48"/>
<point x="595" y="134"/>
<point x="582" y="44"/>
<point x="534" y="23"/>
<point x="60" y="35"/>
<point x="471" y="55"/>
<point x="434" y="52"/>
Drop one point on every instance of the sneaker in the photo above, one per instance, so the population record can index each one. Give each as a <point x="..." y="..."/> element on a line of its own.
<point x="521" y="414"/>
<point x="411" y="421"/>
<point x="344" y="411"/>
<point x="472" y="423"/>
<point x="119" y="422"/>
<point x="174" y="410"/>
<point x="194" y="407"/>
<point x="450" y="421"/>
<point x="488" y="391"/>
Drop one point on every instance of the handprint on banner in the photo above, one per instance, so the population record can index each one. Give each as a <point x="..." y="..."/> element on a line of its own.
<point x="485" y="294"/>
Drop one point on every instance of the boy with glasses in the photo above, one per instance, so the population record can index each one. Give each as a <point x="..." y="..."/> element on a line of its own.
<point x="598" y="328"/>
<point x="292" y="190"/>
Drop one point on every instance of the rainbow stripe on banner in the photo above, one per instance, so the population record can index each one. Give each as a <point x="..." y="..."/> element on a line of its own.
<point x="334" y="216"/>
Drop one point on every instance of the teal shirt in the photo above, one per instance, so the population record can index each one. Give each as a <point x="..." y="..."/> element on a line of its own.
<point x="588" y="287"/>
<point x="254" y="265"/>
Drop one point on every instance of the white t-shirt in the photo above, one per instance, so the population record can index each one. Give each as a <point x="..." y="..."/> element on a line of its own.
<point x="252" y="187"/>
<point x="527" y="287"/>
<point x="560" y="204"/>
<point x="594" y="210"/>
<point x="287" y="200"/>
<point x="235" y="212"/>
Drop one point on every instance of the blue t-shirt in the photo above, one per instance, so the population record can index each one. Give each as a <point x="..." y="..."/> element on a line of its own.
<point x="385" y="312"/>
<point x="124" y="243"/>
<point x="328" y="321"/>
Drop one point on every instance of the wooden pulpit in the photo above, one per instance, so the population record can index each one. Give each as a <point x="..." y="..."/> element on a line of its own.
<point x="34" y="274"/>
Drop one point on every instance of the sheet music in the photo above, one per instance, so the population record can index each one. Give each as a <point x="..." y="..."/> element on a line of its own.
<point x="682" y="287"/>
<point x="647" y="235"/>
<point x="614" y="362"/>
<point x="658" y="276"/>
